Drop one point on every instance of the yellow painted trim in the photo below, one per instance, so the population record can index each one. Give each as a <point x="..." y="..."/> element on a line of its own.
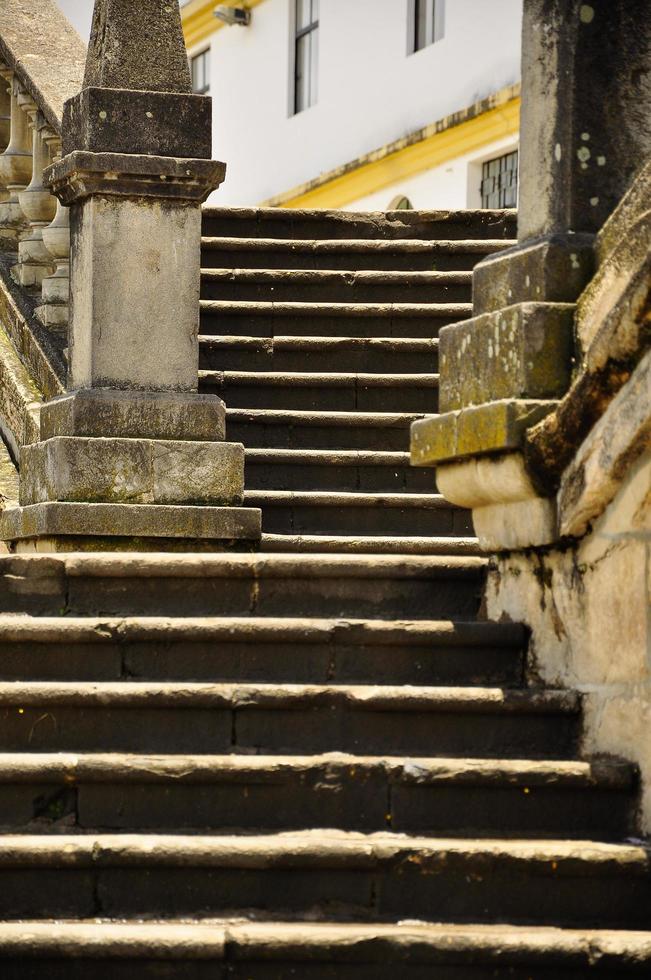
<point x="199" y="23"/>
<point x="465" y="132"/>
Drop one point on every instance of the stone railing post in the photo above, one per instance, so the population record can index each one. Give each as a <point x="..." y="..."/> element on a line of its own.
<point x="37" y="204"/>
<point x="585" y="127"/>
<point x="53" y="312"/>
<point x="5" y="130"/>
<point x="15" y="165"/>
<point x="133" y="457"/>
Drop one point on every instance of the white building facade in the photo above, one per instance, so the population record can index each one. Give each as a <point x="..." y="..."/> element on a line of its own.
<point x="362" y="104"/>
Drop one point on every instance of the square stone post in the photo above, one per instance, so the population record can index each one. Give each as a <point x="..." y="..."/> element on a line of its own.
<point x="585" y="129"/>
<point x="133" y="457"/>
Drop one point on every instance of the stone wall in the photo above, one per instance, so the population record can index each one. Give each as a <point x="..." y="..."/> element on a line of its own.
<point x="589" y="609"/>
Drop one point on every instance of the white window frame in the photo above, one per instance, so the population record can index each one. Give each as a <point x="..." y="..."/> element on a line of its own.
<point x="434" y="24"/>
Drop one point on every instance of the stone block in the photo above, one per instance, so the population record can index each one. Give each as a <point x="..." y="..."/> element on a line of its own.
<point x="137" y="329"/>
<point x="168" y="124"/>
<point x="520" y="524"/>
<point x="134" y="471"/>
<point x="97" y="412"/>
<point x="521" y="352"/>
<point x="489" y="428"/>
<point x="554" y="269"/>
<point x="62" y="526"/>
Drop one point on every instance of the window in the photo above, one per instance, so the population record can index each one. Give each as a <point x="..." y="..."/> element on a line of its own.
<point x="400" y="203"/>
<point x="426" y="23"/>
<point x="306" y="54"/>
<point x="200" y="71"/>
<point x="499" y="185"/>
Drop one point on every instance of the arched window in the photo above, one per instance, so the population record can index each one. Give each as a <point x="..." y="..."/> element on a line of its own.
<point x="400" y="203"/>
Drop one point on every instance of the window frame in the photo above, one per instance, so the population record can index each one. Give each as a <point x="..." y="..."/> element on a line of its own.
<point x="513" y="154"/>
<point x="204" y="54"/>
<point x="434" y="24"/>
<point x="310" y="33"/>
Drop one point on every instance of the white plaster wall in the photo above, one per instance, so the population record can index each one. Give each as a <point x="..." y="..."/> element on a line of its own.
<point x="370" y="91"/>
<point x="455" y="184"/>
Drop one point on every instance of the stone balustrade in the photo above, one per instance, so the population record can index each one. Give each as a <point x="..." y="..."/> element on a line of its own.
<point x="41" y="64"/>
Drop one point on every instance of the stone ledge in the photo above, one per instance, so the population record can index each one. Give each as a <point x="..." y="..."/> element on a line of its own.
<point x="125" y="522"/>
<point x="132" y="414"/>
<point x="490" y="428"/>
<point x="523" y="351"/>
<point x="553" y="269"/>
<point x="133" y="471"/>
<point x="82" y="174"/>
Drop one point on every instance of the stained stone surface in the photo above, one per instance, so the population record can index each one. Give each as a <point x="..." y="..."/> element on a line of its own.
<point x="136" y="471"/>
<point x="132" y="415"/>
<point x="523" y="351"/>
<point x="51" y="520"/>
<point x="137" y="46"/>
<point x="493" y="427"/>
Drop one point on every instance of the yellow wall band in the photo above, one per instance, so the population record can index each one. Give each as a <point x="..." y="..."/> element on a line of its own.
<point x="436" y="144"/>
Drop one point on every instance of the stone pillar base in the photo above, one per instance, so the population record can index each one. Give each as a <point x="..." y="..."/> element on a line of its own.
<point x="164" y="480"/>
<point x="65" y="527"/>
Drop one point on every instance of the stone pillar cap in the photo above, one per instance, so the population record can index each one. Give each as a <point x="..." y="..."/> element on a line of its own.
<point x="137" y="45"/>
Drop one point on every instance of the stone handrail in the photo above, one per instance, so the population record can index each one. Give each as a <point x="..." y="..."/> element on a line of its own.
<point x="42" y="61"/>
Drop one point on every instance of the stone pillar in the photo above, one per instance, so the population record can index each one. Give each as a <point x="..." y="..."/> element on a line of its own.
<point x="585" y="128"/>
<point x="15" y="166"/>
<point x="5" y="129"/>
<point x="133" y="457"/>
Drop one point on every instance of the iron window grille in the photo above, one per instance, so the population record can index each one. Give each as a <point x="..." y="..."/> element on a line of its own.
<point x="499" y="185"/>
<point x="306" y="54"/>
<point x="200" y="71"/>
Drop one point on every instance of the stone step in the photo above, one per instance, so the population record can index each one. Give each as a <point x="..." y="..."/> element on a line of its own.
<point x="308" y="391"/>
<point x="315" y="512"/>
<point x="343" y="469"/>
<point x="351" y="255"/>
<point x="310" y="651"/>
<point x="197" y="717"/>
<point x="257" y="319"/>
<point x="378" y="225"/>
<point x="334" y="875"/>
<point x="356" y="586"/>
<point x="356" y="544"/>
<point x="323" y="286"/>
<point x="369" y="354"/>
<point x="244" y="950"/>
<point x="274" y="429"/>
<point x="452" y="797"/>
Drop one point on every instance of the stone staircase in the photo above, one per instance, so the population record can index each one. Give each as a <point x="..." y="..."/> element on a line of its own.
<point x="310" y="764"/>
<point x="319" y="331"/>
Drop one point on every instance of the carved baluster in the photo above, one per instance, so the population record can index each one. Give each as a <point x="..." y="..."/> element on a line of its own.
<point x="38" y="205"/>
<point x="5" y="130"/>
<point x="56" y="288"/>
<point x="15" y="167"/>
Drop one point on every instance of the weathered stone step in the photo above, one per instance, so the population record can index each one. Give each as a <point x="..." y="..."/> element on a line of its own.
<point x="194" y="717"/>
<point x="308" y="391"/>
<point x="257" y="319"/>
<point x="356" y="586"/>
<point x="351" y="255"/>
<point x="316" y="951"/>
<point x="316" y="512"/>
<point x="316" y="651"/>
<point x="276" y="429"/>
<point x="335" y="874"/>
<point x="369" y="354"/>
<point x="323" y="286"/>
<point x="357" y="544"/>
<point x="454" y="797"/>
<point x="344" y="469"/>
<point x="379" y="225"/>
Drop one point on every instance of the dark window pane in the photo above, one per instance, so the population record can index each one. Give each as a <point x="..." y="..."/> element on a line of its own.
<point x="306" y="54"/>
<point x="200" y="68"/>
<point x="420" y="24"/>
<point x="499" y="186"/>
